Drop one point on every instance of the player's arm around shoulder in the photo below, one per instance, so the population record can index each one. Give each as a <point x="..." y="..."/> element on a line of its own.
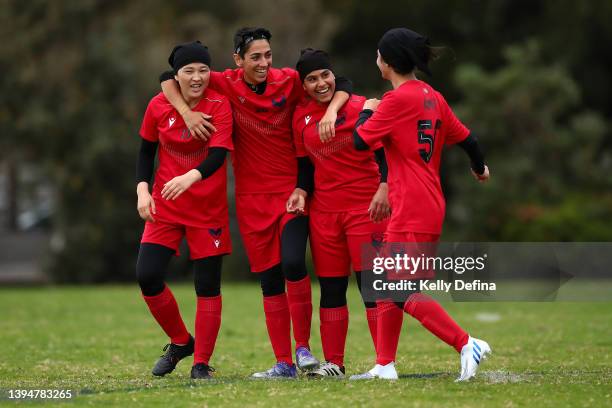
<point x="198" y="123"/>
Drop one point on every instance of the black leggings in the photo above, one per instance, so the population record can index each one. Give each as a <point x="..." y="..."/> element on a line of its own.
<point x="293" y="263"/>
<point x="152" y="265"/>
<point x="333" y="291"/>
<point x="373" y="303"/>
<point x="368" y="305"/>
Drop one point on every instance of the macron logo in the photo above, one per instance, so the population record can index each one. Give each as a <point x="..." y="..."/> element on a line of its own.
<point x="171" y="122"/>
<point x="307" y="119"/>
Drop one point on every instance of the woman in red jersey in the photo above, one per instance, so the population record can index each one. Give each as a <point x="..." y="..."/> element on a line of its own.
<point x="189" y="200"/>
<point x="348" y="206"/>
<point x="263" y="99"/>
<point x="414" y="123"/>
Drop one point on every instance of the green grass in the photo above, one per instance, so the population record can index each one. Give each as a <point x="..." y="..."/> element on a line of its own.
<point x="101" y="342"/>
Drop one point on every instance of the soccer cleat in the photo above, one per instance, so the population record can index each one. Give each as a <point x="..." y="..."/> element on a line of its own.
<point x="280" y="371"/>
<point x="174" y="353"/>
<point x="472" y="354"/>
<point x="305" y="360"/>
<point x="202" y="371"/>
<point x="386" y="372"/>
<point x="327" y="370"/>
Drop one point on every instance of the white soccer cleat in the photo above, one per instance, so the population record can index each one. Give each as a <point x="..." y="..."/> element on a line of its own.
<point x="327" y="370"/>
<point x="472" y="354"/>
<point x="386" y="372"/>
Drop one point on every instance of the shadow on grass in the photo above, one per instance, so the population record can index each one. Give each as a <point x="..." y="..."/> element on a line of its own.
<point x="161" y="384"/>
<point x="496" y="376"/>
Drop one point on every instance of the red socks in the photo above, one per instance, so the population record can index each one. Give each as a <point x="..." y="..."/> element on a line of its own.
<point x="207" y="323"/>
<point x="299" y="297"/>
<point x="371" y="315"/>
<point x="334" y="326"/>
<point x="435" y="319"/>
<point x="278" y="323"/>
<point x="390" y="318"/>
<point x="165" y="310"/>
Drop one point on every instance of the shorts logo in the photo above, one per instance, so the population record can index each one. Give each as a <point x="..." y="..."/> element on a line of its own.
<point x="397" y="248"/>
<point x="377" y="240"/>
<point x="216" y="234"/>
<point x="280" y="102"/>
<point x="171" y="122"/>
<point x="307" y="119"/>
<point x="241" y="99"/>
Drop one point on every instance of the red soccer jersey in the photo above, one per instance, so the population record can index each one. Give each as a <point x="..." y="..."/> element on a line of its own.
<point x="205" y="203"/>
<point x="345" y="179"/>
<point x="264" y="158"/>
<point x="414" y="122"/>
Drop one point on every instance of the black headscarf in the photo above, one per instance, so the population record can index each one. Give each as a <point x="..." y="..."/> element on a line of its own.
<point x="403" y="49"/>
<point x="312" y="60"/>
<point x="184" y="54"/>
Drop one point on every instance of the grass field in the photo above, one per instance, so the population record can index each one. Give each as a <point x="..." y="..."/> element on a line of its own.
<point x="101" y="343"/>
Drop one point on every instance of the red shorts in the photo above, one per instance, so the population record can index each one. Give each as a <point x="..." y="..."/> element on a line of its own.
<point x="413" y="244"/>
<point x="261" y="219"/>
<point x="203" y="242"/>
<point x="336" y="240"/>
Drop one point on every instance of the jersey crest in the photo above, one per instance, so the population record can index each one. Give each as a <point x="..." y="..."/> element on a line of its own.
<point x="280" y="102"/>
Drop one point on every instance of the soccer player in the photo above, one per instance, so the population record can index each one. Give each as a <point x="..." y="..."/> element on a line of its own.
<point x="189" y="200"/>
<point x="263" y="99"/>
<point x="348" y="207"/>
<point x="414" y="123"/>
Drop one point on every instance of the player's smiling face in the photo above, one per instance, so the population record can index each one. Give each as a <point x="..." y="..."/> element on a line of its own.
<point x="193" y="80"/>
<point x="256" y="62"/>
<point x="320" y="85"/>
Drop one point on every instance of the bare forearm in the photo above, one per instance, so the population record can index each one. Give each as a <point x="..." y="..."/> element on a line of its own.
<point x="338" y="101"/>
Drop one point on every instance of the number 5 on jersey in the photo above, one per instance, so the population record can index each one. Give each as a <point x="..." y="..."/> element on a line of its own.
<point x="427" y="138"/>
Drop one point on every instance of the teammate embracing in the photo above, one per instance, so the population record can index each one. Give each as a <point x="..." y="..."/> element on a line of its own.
<point x="189" y="200"/>
<point x="414" y="122"/>
<point x="348" y="205"/>
<point x="263" y="99"/>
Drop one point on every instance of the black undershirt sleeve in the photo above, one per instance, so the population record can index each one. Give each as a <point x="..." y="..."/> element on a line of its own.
<point x="357" y="140"/>
<point x="166" y="75"/>
<point x="344" y="84"/>
<point x="472" y="148"/>
<point x="382" y="164"/>
<point x="213" y="162"/>
<point x="305" y="179"/>
<point x="146" y="161"/>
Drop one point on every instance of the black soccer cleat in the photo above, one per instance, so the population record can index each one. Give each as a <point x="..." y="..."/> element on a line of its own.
<point x="202" y="371"/>
<point x="174" y="353"/>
